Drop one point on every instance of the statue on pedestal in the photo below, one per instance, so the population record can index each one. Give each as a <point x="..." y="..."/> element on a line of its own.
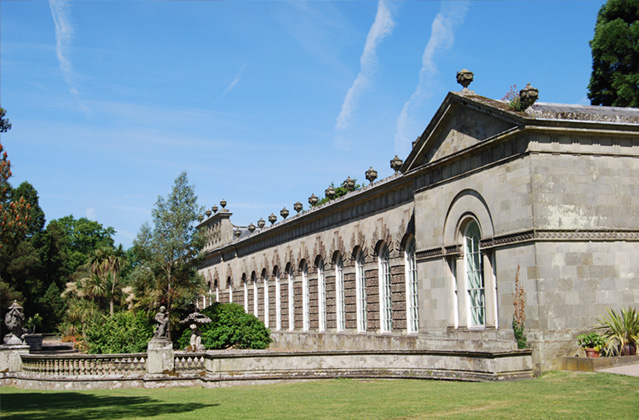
<point x="14" y="320"/>
<point x="195" y="320"/>
<point x="162" y="329"/>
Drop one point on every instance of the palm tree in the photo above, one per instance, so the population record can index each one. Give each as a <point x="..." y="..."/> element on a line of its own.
<point x="106" y="264"/>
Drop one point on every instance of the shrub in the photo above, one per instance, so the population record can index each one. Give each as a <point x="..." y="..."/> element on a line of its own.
<point x="592" y="341"/>
<point x="620" y="329"/>
<point x="230" y="327"/>
<point x="123" y="332"/>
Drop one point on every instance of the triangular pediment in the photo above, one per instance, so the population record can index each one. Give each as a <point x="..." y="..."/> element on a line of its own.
<point x="460" y="123"/>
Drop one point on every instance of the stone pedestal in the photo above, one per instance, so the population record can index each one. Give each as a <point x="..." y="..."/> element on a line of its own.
<point x="11" y="358"/>
<point x="160" y="357"/>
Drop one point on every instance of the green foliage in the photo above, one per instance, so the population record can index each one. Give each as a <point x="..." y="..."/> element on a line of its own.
<point x="36" y="219"/>
<point x="82" y="237"/>
<point x="33" y="322"/>
<point x="52" y="307"/>
<point x="615" y="55"/>
<point x="168" y="252"/>
<point x="620" y="328"/>
<point x="519" y="317"/>
<point x="591" y="341"/>
<point x="123" y="332"/>
<point x="339" y="191"/>
<point x="512" y="99"/>
<point x="230" y="327"/>
<point x="5" y="125"/>
<point x="518" y="329"/>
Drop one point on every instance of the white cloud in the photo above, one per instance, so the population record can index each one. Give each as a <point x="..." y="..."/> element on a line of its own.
<point x="60" y="10"/>
<point x="442" y="37"/>
<point x="382" y="27"/>
<point x="90" y="213"/>
<point x="235" y="81"/>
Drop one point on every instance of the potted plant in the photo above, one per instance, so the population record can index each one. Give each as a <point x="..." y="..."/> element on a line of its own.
<point x="591" y="343"/>
<point x="33" y="340"/>
<point x="621" y="331"/>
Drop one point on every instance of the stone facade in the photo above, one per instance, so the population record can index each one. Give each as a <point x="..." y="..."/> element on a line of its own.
<point x="485" y="190"/>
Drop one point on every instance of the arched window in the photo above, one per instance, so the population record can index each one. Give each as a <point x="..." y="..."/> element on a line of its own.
<point x="321" y="295"/>
<point x="360" y="291"/>
<point x="278" y="300"/>
<point x="217" y="291"/>
<point x="339" y="293"/>
<point x="291" y="305"/>
<point x="266" y="302"/>
<point x="412" y="299"/>
<point x="385" y="295"/>
<point x="255" y="295"/>
<point x="306" y="316"/>
<point x="229" y="285"/>
<point x="474" y="275"/>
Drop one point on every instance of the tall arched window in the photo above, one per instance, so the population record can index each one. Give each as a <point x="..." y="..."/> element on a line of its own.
<point x="339" y="293"/>
<point x="306" y="316"/>
<point x="217" y="291"/>
<point x="321" y="294"/>
<point x="412" y="299"/>
<point x="229" y="285"/>
<point x="266" y="302"/>
<point x="291" y="304"/>
<point x="474" y="275"/>
<point x="385" y="295"/>
<point x="360" y="292"/>
<point x="278" y="300"/>
<point x="255" y="296"/>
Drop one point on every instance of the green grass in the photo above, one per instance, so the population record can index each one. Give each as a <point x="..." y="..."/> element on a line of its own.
<point x="557" y="395"/>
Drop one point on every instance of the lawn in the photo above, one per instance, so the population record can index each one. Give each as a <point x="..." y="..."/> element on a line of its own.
<point x="557" y="395"/>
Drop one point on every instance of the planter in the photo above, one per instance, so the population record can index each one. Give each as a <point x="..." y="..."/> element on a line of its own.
<point x="34" y="341"/>
<point x="629" y="350"/>
<point x="591" y="352"/>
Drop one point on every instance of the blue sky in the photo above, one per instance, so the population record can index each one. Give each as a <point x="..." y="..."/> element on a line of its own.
<point x="261" y="102"/>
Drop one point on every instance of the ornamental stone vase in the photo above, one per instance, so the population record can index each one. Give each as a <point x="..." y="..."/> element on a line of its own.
<point x="298" y="207"/>
<point x="312" y="200"/>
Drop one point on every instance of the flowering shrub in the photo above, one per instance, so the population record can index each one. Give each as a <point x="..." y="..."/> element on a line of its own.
<point x="512" y="99"/>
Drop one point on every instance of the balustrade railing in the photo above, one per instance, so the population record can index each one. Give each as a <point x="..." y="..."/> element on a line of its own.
<point x="189" y="362"/>
<point x="131" y="364"/>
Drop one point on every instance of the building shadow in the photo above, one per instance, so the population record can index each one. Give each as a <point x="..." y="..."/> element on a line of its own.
<point x="65" y="405"/>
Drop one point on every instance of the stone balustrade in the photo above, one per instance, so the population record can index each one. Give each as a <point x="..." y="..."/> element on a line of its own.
<point x="189" y="362"/>
<point x="132" y="364"/>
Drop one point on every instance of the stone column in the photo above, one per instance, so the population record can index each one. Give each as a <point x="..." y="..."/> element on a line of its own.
<point x="160" y="357"/>
<point x="489" y="291"/>
<point x="11" y="357"/>
<point x="462" y="293"/>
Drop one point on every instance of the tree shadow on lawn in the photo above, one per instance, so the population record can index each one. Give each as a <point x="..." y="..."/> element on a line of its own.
<point x="66" y="405"/>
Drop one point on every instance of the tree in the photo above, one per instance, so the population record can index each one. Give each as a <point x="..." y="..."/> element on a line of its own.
<point x="82" y="238"/>
<point x="615" y="55"/>
<point x="105" y="265"/>
<point x="36" y="219"/>
<point x="169" y="251"/>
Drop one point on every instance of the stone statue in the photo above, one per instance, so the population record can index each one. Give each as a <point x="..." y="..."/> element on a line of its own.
<point x="14" y="320"/>
<point x="162" y="330"/>
<point x="195" y="320"/>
